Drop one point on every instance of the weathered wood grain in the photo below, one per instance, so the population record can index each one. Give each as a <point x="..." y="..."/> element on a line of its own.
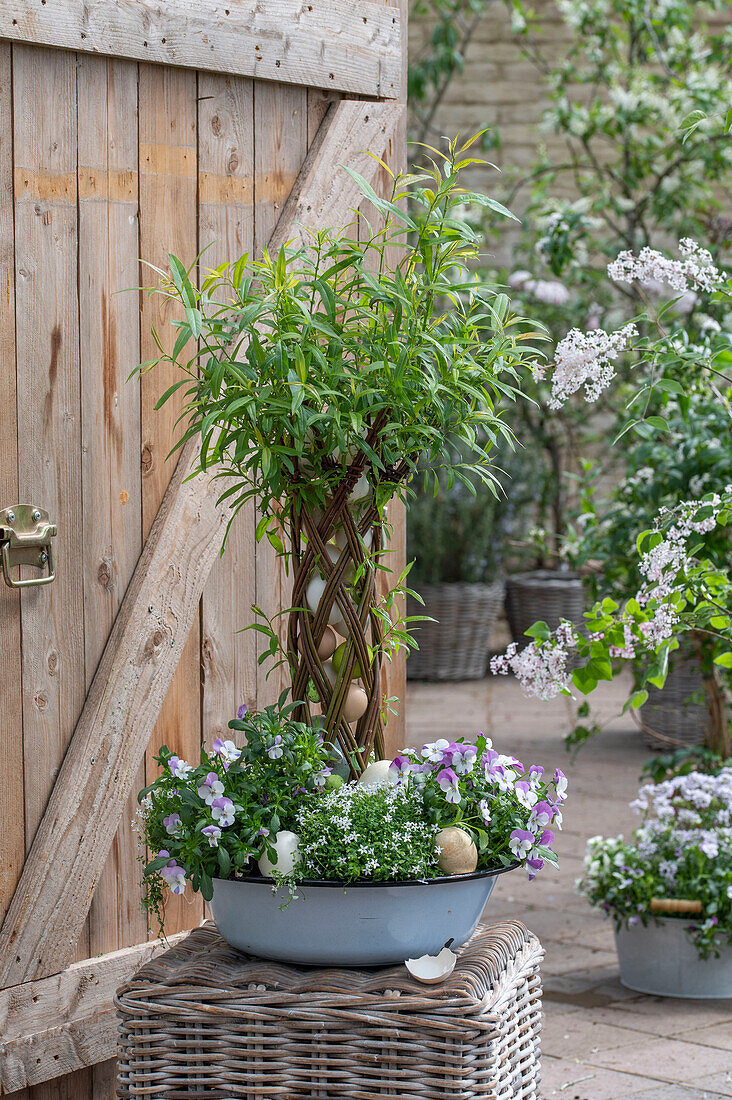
<point x="110" y="351"/>
<point x="226" y="224"/>
<point x="73" y="840"/>
<point x="168" y="223"/>
<point x="12" y="835"/>
<point x="110" y="429"/>
<point x="342" y="45"/>
<point x="64" y="1023"/>
<point x="49" y="437"/>
<point x="281" y="126"/>
<point x="323" y="193"/>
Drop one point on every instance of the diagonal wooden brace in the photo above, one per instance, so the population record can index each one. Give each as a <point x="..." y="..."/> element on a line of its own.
<point x="50" y="904"/>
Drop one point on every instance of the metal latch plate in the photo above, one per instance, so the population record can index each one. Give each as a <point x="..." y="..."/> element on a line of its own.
<point x="25" y="539"/>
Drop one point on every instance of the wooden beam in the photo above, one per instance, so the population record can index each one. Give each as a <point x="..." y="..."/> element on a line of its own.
<point x="342" y="45"/>
<point x="73" y="840"/>
<point x="67" y="1022"/>
<point x="323" y="193"/>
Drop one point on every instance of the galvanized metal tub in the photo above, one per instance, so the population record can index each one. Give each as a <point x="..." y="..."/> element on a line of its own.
<point x="359" y="924"/>
<point x="660" y="958"/>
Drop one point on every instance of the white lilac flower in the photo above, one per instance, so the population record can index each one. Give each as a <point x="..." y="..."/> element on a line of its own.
<point x="275" y="750"/>
<point x="222" y="810"/>
<point x="541" y="667"/>
<point x="560" y="783"/>
<point x="586" y="359"/>
<point x="211" y="788"/>
<point x="549" y="291"/>
<point x="696" y="271"/>
<point x="179" y="768"/>
<point x="227" y="750"/>
<point x="212" y="834"/>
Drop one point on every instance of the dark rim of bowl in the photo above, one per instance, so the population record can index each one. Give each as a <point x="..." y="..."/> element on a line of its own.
<point x="361" y="884"/>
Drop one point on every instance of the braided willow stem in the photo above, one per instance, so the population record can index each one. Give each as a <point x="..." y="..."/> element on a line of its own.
<point x="307" y="626"/>
<point x="356" y="607"/>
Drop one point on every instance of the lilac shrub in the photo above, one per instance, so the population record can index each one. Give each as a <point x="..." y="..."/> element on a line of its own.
<point x="682" y="850"/>
<point x="510" y="811"/>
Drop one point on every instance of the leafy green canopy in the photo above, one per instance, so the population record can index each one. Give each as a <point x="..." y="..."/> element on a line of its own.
<point x="371" y="353"/>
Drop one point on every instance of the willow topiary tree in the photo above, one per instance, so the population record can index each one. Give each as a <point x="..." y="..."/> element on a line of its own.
<point x="319" y="381"/>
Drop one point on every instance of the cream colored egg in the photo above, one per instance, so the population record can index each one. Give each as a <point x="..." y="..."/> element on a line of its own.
<point x="378" y="772"/>
<point x="328" y="643"/>
<point x="286" y="844"/>
<point x="457" y="852"/>
<point x="356" y="703"/>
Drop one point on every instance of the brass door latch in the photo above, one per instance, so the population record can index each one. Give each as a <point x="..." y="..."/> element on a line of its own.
<point x="25" y="539"/>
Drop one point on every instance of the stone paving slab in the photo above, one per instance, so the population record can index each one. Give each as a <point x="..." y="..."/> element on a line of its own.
<point x="601" y="1041"/>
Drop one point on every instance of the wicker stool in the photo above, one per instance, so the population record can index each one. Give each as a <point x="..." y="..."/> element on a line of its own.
<point x="202" y="1020"/>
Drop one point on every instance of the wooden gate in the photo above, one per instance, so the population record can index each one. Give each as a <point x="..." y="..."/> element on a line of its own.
<point x="128" y="131"/>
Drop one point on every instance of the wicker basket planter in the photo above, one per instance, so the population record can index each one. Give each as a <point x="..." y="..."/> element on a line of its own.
<point x="361" y="924"/>
<point x="543" y="596"/>
<point x="659" y="958"/>
<point x="456" y="646"/>
<point x="203" y="1021"/>
<point x="677" y="711"/>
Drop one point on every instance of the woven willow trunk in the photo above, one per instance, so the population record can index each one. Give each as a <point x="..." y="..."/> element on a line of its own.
<point x="339" y="546"/>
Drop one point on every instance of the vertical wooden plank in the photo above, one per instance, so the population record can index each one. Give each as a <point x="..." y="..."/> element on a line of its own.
<point x="12" y="835"/>
<point x="110" y="423"/>
<point x="168" y="210"/>
<point x="395" y="674"/>
<point x="49" y="415"/>
<point x="280" y="119"/>
<point x="226" y="224"/>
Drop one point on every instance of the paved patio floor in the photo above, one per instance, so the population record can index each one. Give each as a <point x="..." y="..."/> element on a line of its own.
<point x="600" y="1041"/>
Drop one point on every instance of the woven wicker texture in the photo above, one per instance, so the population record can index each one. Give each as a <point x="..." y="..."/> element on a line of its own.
<point x="542" y="596"/>
<point x="676" y="714"/>
<point x="456" y="646"/>
<point x="203" y="1020"/>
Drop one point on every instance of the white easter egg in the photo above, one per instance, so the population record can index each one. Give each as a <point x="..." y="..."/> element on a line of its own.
<point x="378" y="772"/>
<point x="286" y="844"/>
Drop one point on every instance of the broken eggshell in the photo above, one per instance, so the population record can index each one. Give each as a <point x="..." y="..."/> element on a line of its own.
<point x="431" y="969"/>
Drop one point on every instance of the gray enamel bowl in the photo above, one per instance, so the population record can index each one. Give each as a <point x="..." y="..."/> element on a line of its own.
<point x="359" y="924"/>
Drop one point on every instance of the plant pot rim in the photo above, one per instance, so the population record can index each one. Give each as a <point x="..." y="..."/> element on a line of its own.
<point x="364" y="884"/>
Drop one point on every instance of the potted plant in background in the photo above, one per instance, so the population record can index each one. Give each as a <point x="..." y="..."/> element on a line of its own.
<point x="669" y="889"/>
<point x="320" y="381"/>
<point x="456" y="541"/>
